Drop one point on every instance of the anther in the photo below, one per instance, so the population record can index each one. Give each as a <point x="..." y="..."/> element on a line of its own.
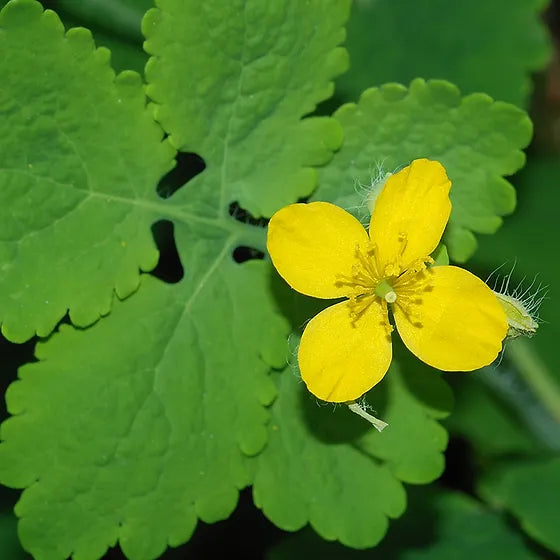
<point x="392" y="270"/>
<point x="403" y="241"/>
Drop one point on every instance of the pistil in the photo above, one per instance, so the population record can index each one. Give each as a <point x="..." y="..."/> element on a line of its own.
<point x="385" y="291"/>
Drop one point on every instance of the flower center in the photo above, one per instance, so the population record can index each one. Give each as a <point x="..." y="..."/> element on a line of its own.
<point x="398" y="283"/>
<point x="385" y="290"/>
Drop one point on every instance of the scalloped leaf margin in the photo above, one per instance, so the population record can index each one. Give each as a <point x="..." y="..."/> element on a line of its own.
<point x="478" y="140"/>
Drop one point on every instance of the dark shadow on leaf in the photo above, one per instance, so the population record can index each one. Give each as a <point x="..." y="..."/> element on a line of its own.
<point x="169" y="267"/>
<point x="328" y="422"/>
<point x="188" y="166"/>
<point x="423" y="381"/>
<point x="417" y="528"/>
<point x="297" y="308"/>
<point x="378" y="398"/>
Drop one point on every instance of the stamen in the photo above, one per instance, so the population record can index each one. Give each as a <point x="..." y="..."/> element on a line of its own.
<point x="366" y="261"/>
<point x="403" y="240"/>
<point x="392" y="269"/>
<point x="373" y="253"/>
<point x="410" y="302"/>
<point x="358" y="305"/>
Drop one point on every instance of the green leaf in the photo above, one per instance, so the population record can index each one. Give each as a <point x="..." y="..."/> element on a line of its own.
<point x="320" y="463"/>
<point x="412" y="398"/>
<point x="80" y="171"/>
<point x="124" y="54"/>
<point x="132" y="429"/>
<point x="476" y="139"/>
<point x="150" y="432"/>
<point x="240" y="103"/>
<point x="440" y="255"/>
<point x="310" y="473"/>
<point x="80" y="159"/>
<point x="529" y="490"/>
<point x="486" y="422"/>
<point x="385" y="45"/>
<point x="437" y="525"/>
<point x="115" y="24"/>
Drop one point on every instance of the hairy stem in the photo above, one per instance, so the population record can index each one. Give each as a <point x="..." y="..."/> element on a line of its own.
<point x="537" y="376"/>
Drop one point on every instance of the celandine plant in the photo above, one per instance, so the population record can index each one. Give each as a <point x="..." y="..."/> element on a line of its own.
<point x="149" y="403"/>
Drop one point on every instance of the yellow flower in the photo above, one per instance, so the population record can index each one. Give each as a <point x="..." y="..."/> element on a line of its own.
<point x="446" y="316"/>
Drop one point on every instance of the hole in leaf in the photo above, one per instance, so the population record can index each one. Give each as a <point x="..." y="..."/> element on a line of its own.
<point x="241" y="215"/>
<point x="188" y="166"/>
<point x="242" y="253"/>
<point x="169" y="267"/>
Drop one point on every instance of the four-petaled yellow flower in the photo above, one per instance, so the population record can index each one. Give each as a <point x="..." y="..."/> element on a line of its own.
<point x="446" y="316"/>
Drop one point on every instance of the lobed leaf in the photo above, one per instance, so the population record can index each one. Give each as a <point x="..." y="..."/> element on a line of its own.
<point x="80" y="170"/>
<point x="437" y="525"/>
<point x="138" y="431"/>
<point x="413" y="397"/>
<point x="309" y="473"/>
<point x="399" y="41"/>
<point x="132" y="429"/>
<point x="80" y="158"/>
<point x="260" y="67"/>
<point x="476" y="139"/>
<point x="334" y="471"/>
<point x="115" y="24"/>
<point x="120" y="17"/>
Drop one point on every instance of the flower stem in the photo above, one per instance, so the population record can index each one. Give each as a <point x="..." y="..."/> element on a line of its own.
<point x="536" y="375"/>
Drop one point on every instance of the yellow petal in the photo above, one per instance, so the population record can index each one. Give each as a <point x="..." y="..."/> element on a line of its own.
<point x="313" y="245"/>
<point x="460" y="324"/>
<point x="340" y="357"/>
<point x="410" y="214"/>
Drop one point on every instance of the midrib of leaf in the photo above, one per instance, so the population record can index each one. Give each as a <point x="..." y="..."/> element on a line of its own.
<point x="222" y="211"/>
<point x="163" y="209"/>
<point x="228" y="243"/>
